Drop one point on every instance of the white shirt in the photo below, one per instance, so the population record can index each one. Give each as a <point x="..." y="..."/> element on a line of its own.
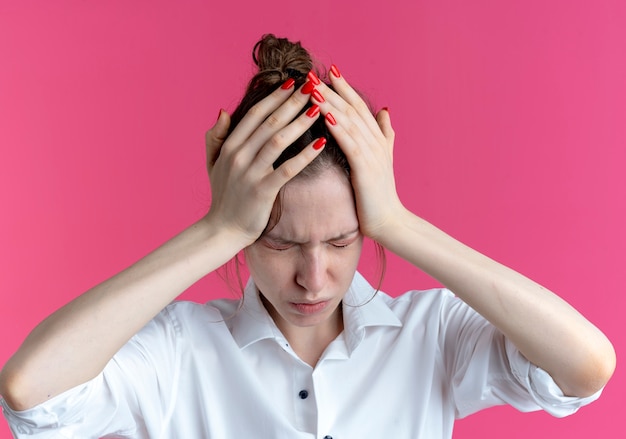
<point x="403" y="367"/>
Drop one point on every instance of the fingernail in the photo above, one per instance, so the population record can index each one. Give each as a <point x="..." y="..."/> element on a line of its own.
<point x="386" y="109"/>
<point x="288" y="84"/>
<point x="308" y="88"/>
<point x="335" y="71"/>
<point x="319" y="144"/>
<point x="219" y="115"/>
<point x="318" y="96"/>
<point x="313" y="111"/>
<point x="313" y="78"/>
<point x="331" y="120"/>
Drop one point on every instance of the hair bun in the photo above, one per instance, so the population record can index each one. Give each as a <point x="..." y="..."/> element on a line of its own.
<point x="279" y="59"/>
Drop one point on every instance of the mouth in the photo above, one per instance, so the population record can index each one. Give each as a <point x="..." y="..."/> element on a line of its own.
<point x="309" y="308"/>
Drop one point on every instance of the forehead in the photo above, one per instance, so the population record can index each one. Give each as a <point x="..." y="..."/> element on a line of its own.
<point x="317" y="208"/>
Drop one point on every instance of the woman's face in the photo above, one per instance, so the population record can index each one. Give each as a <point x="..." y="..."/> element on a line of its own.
<point x="305" y="264"/>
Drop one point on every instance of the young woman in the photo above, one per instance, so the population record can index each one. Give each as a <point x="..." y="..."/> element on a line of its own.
<point x="300" y="174"/>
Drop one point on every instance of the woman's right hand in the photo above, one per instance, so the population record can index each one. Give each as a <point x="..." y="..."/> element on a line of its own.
<point x="244" y="184"/>
<point x="76" y="342"/>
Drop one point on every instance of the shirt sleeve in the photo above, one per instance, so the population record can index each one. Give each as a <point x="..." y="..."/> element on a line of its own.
<point x="130" y="398"/>
<point x="486" y="369"/>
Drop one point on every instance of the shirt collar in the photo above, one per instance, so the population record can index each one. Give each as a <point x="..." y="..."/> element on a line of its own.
<point x="363" y="307"/>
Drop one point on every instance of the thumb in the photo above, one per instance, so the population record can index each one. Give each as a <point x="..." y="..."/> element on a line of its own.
<point x="384" y="122"/>
<point x="215" y="136"/>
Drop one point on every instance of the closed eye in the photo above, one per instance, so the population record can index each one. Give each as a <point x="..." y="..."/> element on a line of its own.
<point x="344" y="242"/>
<point x="277" y="245"/>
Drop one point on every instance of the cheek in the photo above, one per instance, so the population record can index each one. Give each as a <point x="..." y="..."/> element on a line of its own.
<point x="346" y="260"/>
<point x="263" y="266"/>
<point x="355" y="252"/>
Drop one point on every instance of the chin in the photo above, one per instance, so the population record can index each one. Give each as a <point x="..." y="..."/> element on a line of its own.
<point x="307" y="321"/>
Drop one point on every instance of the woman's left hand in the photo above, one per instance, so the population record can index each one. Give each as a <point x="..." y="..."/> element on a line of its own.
<point x="367" y="142"/>
<point x="576" y="354"/>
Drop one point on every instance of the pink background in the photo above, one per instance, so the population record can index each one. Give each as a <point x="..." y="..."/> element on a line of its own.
<point x="511" y="135"/>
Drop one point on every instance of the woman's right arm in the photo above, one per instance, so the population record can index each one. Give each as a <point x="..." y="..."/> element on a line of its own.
<point x="74" y="344"/>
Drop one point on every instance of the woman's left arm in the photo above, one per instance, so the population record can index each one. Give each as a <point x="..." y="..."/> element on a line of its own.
<point x="547" y="331"/>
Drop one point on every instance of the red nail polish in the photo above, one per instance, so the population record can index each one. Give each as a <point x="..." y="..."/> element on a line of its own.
<point x="319" y="143"/>
<point x="219" y="115"/>
<point x="318" y="96"/>
<point x="313" y="111"/>
<point x="313" y="77"/>
<point x="335" y="71"/>
<point x="331" y="119"/>
<point x="308" y="88"/>
<point x="386" y="109"/>
<point x="288" y="84"/>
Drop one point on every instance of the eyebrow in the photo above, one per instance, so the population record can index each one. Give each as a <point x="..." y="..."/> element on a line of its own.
<point x="288" y="241"/>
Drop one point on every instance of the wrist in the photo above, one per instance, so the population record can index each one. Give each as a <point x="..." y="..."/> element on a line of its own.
<point x="389" y="231"/>
<point x="224" y="236"/>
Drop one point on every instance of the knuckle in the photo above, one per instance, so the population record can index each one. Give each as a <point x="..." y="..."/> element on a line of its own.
<point x="295" y="103"/>
<point x="256" y="110"/>
<point x="277" y="141"/>
<point x="272" y="121"/>
<point x="361" y="107"/>
<point x="354" y="151"/>
<point x="237" y="161"/>
<point x="351" y="112"/>
<point x="257" y="191"/>
<point x="288" y="170"/>
<point x="352" y="129"/>
<point x="210" y="138"/>
<point x="213" y="141"/>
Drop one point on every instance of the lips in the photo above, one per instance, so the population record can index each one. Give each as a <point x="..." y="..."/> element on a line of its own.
<point x="310" y="308"/>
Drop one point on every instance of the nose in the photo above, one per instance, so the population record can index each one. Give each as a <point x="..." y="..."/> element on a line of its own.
<point x="312" y="272"/>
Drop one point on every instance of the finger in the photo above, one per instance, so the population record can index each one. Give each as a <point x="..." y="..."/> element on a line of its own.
<point x="215" y="136"/>
<point x="281" y="117"/>
<point x="294" y="165"/>
<point x="331" y="102"/>
<point x="282" y="139"/>
<point x="384" y="122"/>
<point x="348" y="136"/>
<point x="359" y="116"/>
<point x="351" y="132"/>
<point x="258" y="113"/>
<point x="344" y="91"/>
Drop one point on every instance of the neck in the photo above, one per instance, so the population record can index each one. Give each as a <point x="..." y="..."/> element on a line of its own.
<point x="308" y="342"/>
